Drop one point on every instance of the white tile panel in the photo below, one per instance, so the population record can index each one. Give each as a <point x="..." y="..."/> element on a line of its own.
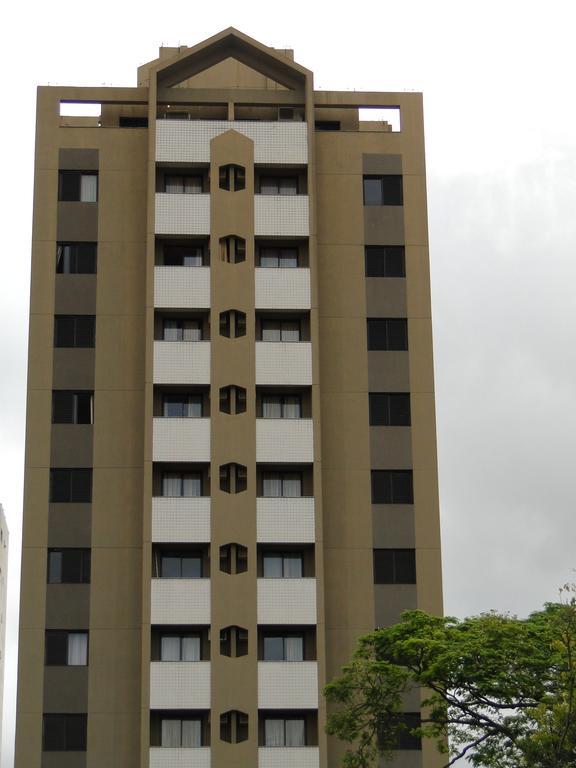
<point x="182" y="214"/>
<point x="284" y="440"/>
<point x="181" y="520"/>
<point x="182" y="287"/>
<point x="283" y="363"/>
<point x="188" y="141"/>
<point x="287" y="685"/>
<point x="180" y="685"/>
<point x="180" y="601"/>
<point x="287" y="757"/>
<point x="282" y="288"/>
<point x="285" y="521"/>
<point x="181" y="439"/>
<point x="286" y="601"/>
<point x="185" y="757"/>
<point x="181" y="362"/>
<point x="281" y="215"/>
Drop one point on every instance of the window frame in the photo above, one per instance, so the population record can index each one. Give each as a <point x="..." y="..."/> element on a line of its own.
<point x="74" y="331"/>
<point x="284" y="636"/>
<point x="382" y="483"/>
<point x="382" y="413"/>
<point x="283" y="476"/>
<point x="183" y="179"/>
<point x="182" y="476"/>
<point x="67" y="263"/>
<point x="279" y="181"/>
<point x="63" y="635"/>
<point x="79" y="485"/>
<point x="70" y="186"/>
<point x="387" y="334"/>
<point x="68" y="744"/>
<point x="394" y="570"/>
<point x="73" y="408"/>
<point x="386" y="195"/>
<point x="378" y="261"/>
<point x="84" y="564"/>
<point x="283" y="398"/>
<point x="282" y="329"/>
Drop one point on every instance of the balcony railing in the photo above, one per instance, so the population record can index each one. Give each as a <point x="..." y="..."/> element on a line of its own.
<point x="284" y="440"/>
<point x="286" y="601"/>
<point x="282" y="288"/>
<point x="176" y="520"/>
<point x="284" y="363"/>
<point x="182" y="287"/>
<point x="287" y="685"/>
<point x="180" y="685"/>
<point x="285" y="520"/>
<point x="287" y="757"/>
<point x="182" y="362"/>
<point x="182" y="214"/>
<point x="181" y="439"/>
<point x="180" y="601"/>
<point x="185" y="757"/>
<point x="281" y="215"/>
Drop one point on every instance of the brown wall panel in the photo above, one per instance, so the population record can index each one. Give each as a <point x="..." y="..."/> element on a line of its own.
<point x="66" y="689"/>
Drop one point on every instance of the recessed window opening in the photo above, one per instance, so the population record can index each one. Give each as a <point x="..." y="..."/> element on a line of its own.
<point x="390" y="115"/>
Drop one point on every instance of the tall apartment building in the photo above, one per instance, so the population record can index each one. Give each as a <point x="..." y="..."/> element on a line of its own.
<point x="231" y="463"/>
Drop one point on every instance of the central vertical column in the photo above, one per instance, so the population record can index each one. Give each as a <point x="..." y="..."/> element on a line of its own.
<point x="233" y="440"/>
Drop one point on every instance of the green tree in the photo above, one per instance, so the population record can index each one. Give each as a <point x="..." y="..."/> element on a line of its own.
<point x="500" y="691"/>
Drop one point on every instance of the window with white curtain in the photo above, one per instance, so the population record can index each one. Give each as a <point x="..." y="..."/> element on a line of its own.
<point x="66" y="648"/>
<point x="183" y="185"/>
<point x="88" y="188"/>
<point x="179" y="565"/>
<point x="274" y="258"/>
<point x="180" y="648"/>
<point x="284" y="648"/>
<point x="182" y="330"/>
<point x="281" y="484"/>
<point x="282" y="565"/>
<point x="284" y="732"/>
<point x="77" y="649"/>
<point x="279" y="185"/>
<point x="281" y="407"/>
<point x="181" y="733"/>
<point x="178" y="484"/>
<point x="280" y="330"/>
<point x="182" y="406"/>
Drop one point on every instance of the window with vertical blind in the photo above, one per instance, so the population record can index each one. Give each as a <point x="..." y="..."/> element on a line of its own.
<point x="180" y="647"/>
<point x="182" y="330"/>
<point x="181" y="733"/>
<point x="282" y="484"/>
<point x="281" y="406"/>
<point x="178" y="484"/>
<point x="284" y="732"/>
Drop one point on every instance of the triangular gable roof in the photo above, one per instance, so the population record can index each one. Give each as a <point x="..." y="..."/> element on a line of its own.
<point x="230" y="43"/>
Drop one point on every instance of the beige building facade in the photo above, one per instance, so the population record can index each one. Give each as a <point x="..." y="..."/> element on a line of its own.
<point x="231" y="453"/>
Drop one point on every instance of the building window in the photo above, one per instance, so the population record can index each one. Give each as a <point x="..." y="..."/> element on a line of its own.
<point x="66" y="649"/>
<point x="394" y="566"/>
<point x="233" y="558"/>
<point x="177" y="565"/>
<point x="232" y="249"/>
<point x="385" y="261"/>
<point x="281" y="407"/>
<point x="72" y="407"/>
<point x="232" y="177"/>
<point x="389" y="334"/>
<point x="68" y="566"/>
<point x="76" y="258"/>
<point x="383" y="190"/>
<point x="279" y="185"/>
<point x="179" y="484"/>
<point x="284" y="647"/>
<point x="232" y="399"/>
<point x="392" y="486"/>
<point x="183" y="185"/>
<point x="284" y="732"/>
<point x="183" y="256"/>
<point x="280" y="330"/>
<point x="71" y="486"/>
<point x="234" y="726"/>
<point x="389" y="409"/>
<point x="182" y="406"/>
<point x="233" y="641"/>
<point x="232" y="323"/>
<point x="278" y="257"/>
<point x="64" y="733"/>
<point x="78" y="186"/>
<point x="180" y="647"/>
<point x="281" y="484"/>
<point x="405" y="739"/>
<point x="282" y="565"/>
<point x="180" y="733"/>
<point x="182" y="330"/>
<point x="74" y="330"/>
<point x="233" y="477"/>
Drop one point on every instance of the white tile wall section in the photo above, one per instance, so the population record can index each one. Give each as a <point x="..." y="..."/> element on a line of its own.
<point x="182" y="214"/>
<point x="181" y="362"/>
<point x="167" y="757"/>
<point x="282" y="288"/>
<point x="285" y="521"/>
<point x="286" y="601"/>
<point x="179" y="520"/>
<point x="283" y="363"/>
<point x="180" y="685"/>
<point x="284" y="440"/>
<point x="180" y="601"/>
<point x="188" y="141"/>
<point x="287" y="757"/>
<point x="182" y="287"/>
<point x="280" y="215"/>
<point x="181" y="439"/>
<point x="287" y="685"/>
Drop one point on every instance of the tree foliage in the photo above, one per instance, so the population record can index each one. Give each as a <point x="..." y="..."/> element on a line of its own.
<point x="499" y="690"/>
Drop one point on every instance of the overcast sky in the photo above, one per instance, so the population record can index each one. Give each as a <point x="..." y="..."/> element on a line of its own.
<point x="500" y="115"/>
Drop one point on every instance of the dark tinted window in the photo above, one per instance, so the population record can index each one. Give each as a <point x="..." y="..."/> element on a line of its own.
<point x="71" y="407"/>
<point x="68" y="566"/>
<point x="78" y="186"/>
<point x="327" y="125"/>
<point x="76" y="258"/>
<point x="389" y="409"/>
<point x="180" y="565"/>
<point x="392" y="486"/>
<point x="383" y="190"/>
<point x="394" y="566"/>
<point x="66" y="648"/>
<point x="71" y="485"/>
<point x="74" y="330"/>
<point x="403" y="723"/>
<point x="388" y="334"/>
<point x="385" y="261"/>
<point x="64" y="733"/>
